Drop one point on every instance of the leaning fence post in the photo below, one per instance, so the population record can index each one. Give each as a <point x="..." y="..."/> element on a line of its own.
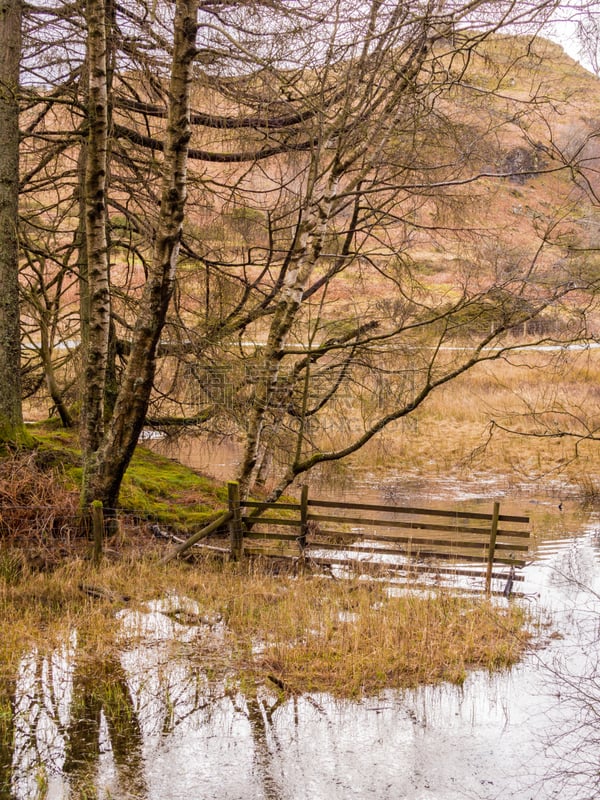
<point x="492" y="547"/>
<point x="97" y="530"/>
<point x="236" y="533"/>
<point x="201" y="534"/>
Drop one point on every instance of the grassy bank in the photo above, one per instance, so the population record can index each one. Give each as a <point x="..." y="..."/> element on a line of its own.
<point x="39" y="493"/>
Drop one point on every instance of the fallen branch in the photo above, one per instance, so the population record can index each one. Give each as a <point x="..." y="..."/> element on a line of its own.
<point x="100" y="593"/>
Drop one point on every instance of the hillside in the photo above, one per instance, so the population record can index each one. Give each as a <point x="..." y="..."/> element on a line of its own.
<point x="515" y="109"/>
<point x="389" y="230"/>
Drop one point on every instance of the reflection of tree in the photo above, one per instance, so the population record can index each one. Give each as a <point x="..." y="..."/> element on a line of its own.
<point x="165" y="687"/>
<point x="58" y="716"/>
<point x="101" y="698"/>
<point x="260" y="719"/>
<point x="42" y="694"/>
<point x="574" y="677"/>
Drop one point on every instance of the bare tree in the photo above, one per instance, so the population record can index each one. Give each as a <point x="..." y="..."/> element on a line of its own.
<point x="112" y="455"/>
<point x="326" y="146"/>
<point x="381" y="147"/>
<point x="97" y="272"/>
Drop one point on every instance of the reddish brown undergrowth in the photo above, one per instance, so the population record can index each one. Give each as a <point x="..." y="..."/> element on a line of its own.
<point x="37" y="510"/>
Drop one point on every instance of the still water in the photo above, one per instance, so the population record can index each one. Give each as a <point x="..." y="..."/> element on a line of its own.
<point x="171" y="730"/>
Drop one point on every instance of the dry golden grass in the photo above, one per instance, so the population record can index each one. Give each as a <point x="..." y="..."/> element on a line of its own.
<point x="451" y="434"/>
<point x="307" y="633"/>
<point x="355" y="640"/>
<point x="345" y="637"/>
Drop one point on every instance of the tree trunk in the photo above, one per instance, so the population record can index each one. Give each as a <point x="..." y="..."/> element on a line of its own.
<point x="302" y="265"/>
<point x="81" y="245"/>
<point x="92" y="411"/>
<point x="104" y="480"/>
<point x="11" y="415"/>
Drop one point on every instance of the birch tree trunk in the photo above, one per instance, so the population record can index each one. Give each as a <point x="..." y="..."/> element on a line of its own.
<point x="103" y="481"/>
<point x="333" y="176"/>
<point x="98" y="288"/>
<point x="11" y="415"/>
<point x="310" y="242"/>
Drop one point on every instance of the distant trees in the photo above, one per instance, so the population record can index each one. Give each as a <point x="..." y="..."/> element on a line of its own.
<point x="331" y="160"/>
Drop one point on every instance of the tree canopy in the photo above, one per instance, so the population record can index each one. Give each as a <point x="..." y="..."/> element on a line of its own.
<point x="242" y="216"/>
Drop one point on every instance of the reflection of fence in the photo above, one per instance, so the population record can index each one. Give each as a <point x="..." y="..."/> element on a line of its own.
<point x="411" y="541"/>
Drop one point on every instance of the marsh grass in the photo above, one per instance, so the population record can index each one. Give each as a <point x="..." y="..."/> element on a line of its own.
<point x="347" y="637"/>
<point x="353" y="638"/>
<point x="450" y="434"/>
<point x="305" y="632"/>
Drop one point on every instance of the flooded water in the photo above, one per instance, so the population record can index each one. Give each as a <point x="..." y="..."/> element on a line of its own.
<point x="159" y="725"/>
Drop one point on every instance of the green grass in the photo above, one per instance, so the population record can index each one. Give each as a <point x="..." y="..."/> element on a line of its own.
<point x="169" y="492"/>
<point x="154" y="487"/>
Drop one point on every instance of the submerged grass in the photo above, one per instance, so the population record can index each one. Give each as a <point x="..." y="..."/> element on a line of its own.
<point x="305" y="633"/>
<point x="353" y="638"/>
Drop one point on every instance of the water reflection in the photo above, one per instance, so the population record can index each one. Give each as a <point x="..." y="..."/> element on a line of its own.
<point x="40" y="720"/>
<point x="217" y="456"/>
<point x="104" y="741"/>
<point x="163" y="717"/>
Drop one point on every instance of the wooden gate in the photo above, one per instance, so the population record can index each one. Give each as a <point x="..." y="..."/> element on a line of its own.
<point x="419" y="544"/>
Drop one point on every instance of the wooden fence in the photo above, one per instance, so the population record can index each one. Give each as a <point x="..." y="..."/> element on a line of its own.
<point x="414" y="542"/>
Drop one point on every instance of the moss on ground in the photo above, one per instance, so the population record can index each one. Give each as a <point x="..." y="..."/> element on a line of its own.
<point x="154" y="487"/>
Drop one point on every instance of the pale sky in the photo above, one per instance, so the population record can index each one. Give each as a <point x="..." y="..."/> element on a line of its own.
<point x="565" y="34"/>
<point x="564" y="29"/>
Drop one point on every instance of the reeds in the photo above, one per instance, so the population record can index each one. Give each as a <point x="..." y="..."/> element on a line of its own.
<point x="304" y="633"/>
<point x="353" y="638"/>
<point x="35" y="504"/>
<point x="450" y="435"/>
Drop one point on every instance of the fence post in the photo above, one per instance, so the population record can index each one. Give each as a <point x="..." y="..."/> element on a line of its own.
<point x="492" y="547"/>
<point x="201" y="534"/>
<point x="236" y="533"/>
<point x="303" y="518"/>
<point x="97" y="530"/>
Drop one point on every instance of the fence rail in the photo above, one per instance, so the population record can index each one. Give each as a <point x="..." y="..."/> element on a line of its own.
<point x="411" y="540"/>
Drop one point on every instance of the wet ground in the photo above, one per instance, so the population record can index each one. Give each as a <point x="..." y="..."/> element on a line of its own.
<point x="161" y="727"/>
